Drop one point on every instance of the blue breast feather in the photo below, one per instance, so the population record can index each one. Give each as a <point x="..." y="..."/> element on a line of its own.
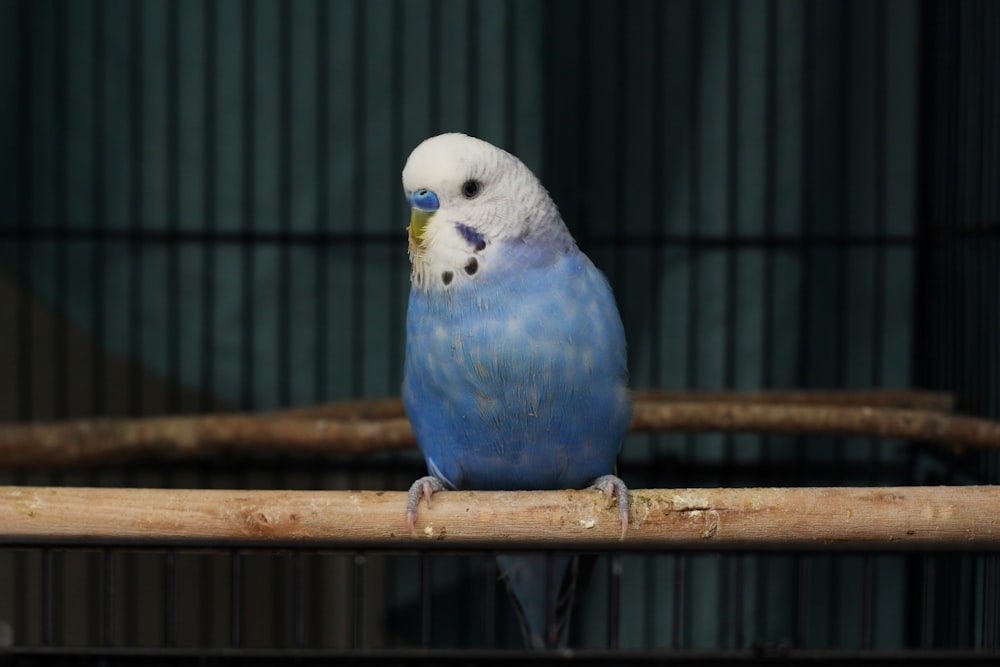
<point x="518" y="380"/>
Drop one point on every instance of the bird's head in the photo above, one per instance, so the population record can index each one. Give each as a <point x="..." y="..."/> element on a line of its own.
<point x="466" y="195"/>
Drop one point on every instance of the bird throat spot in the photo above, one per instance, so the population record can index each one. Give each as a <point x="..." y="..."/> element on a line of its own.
<point x="447" y="277"/>
<point x="472" y="266"/>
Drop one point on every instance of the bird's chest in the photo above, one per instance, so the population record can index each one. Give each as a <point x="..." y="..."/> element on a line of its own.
<point x="486" y="339"/>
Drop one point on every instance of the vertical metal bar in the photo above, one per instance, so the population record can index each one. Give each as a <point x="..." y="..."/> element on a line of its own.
<point x="621" y="170"/>
<point x="867" y="601"/>
<point x="581" y="214"/>
<point x="135" y="205"/>
<point x="98" y="153"/>
<point x="323" y="88"/>
<point x="802" y="602"/>
<point x="108" y="598"/>
<point x="614" y="600"/>
<point x="396" y="267"/>
<point x="435" y="56"/>
<point x="551" y="593"/>
<point x="170" y="599"/>
<point x="694" y="212"/>
<point x="654" y="316"/>
<point x="298" y="600"/>
<point x="731" y="595"/>
<point x="203" y="611"/>
<point x="681" y="588"/>
<point x="739" y="601"/>
<point x="927" y="603"/>
<point x="208" y="112"/>
<point x="472" y="67"/>
<point x="47" y="601"/>
<point x="426" y="593"/>
<point x="285" y="202"/>
<point x="360" y="128"/>
<point x="248" y="208"/>
<point x="359" y="600"/>
<point x="489" y="599"/>
<point x="60" y="356"/>
<point x="235" y="599"/>
<point x="173" y="207"/>
<point x="991" y="603"/>
<point x="679" y="608"/>
<point x="510" y="76"/>
<point x="26" y="195"/>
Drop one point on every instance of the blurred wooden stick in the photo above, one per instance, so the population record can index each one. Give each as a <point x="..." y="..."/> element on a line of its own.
<point x="895" y="517"/>
<point x="362" y="427"/>
<point x="910" y="399"/>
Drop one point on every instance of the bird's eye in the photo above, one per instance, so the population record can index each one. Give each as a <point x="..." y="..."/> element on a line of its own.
<point x="471" y="188"/>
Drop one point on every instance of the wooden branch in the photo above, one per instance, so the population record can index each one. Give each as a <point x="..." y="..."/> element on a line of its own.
<point x="818" y="419"/>
<point x="388" y="408"/>
<point x="886" y="517"/>
<point x="908" y="399"/>
<point x="109" y="441"/>
<point x="362" y="427"/>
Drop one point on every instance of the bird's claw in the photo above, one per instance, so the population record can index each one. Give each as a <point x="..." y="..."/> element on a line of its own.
<point x="421" y="489"/>
<point x="613" y="487"/>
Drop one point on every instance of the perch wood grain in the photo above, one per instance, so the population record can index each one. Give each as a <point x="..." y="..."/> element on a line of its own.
<point x="777" y="517"/>
<point x="341" y="431"/>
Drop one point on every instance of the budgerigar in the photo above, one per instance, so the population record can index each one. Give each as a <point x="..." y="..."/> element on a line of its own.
<point x="515" y="372"/>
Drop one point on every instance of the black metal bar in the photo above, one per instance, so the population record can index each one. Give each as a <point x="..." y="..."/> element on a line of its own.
<point x="208" y="210"/>
<point x="679" y="607"/>
<point x="739" y="601"/>
<point x="360" y="591"/>
<point x="614" y="600"/>
<point x="170" y="599"/>
<point x="867" y="601"/>
<point x="510" y="75"/>
<point x="98" y="167"/>
<point x="173" y="168"/>
<point x="396" y="322"/>
<point x="473" y="71"/>
<point x="298" y="600"/>
<point x="489" y="599"/>
<point x="135" y="205"/>
<point x="47" y="597"/>
<point x="358" y="250"/>
<point x="991" y="603"/>
<point x="60" y="356"/>
<point x="551" y="591"/>
<point x="247" y="186"/>
<point x="321" y="305"/>
<point x="235" y="599"/>
<point x="426" y="597"/>
<point x="108" y="597"/>
<point x="25" y="162"/>
<point x="284" y="323"/>
<point x="803" y="615"/>
<point x="927" y="602"/>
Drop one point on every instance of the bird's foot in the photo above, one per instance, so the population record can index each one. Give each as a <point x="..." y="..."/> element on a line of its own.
<point x="612" y="487"/>
<point x="422" y="488"/>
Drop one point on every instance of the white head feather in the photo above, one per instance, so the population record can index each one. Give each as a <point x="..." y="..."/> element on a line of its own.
<point x="509" y="204"/>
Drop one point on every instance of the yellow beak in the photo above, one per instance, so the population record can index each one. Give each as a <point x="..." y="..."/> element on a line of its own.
<point x="418" y="223"/>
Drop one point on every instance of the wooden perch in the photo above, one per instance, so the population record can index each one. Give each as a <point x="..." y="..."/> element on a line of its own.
<point x="963" y="517"/>
<point x="818" y="419"/>
<point x="362" y="427"/>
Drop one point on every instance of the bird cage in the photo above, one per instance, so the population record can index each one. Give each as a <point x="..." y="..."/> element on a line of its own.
<point x="203" y="288"/>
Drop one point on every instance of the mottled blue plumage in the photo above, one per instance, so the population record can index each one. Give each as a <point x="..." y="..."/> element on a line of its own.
<point x="516" y="381"/>
<point x="515" y="372"/>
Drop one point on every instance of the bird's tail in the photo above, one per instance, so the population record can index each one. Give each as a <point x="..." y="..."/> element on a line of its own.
<point x="543" y="589"/>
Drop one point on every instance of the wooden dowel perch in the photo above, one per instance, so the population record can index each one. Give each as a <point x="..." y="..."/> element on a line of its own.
<point x="775" y="517"/>
<point x="362" y="427"/>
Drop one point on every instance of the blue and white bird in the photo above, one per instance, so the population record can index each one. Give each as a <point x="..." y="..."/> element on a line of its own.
<point x="515" y="372"/>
